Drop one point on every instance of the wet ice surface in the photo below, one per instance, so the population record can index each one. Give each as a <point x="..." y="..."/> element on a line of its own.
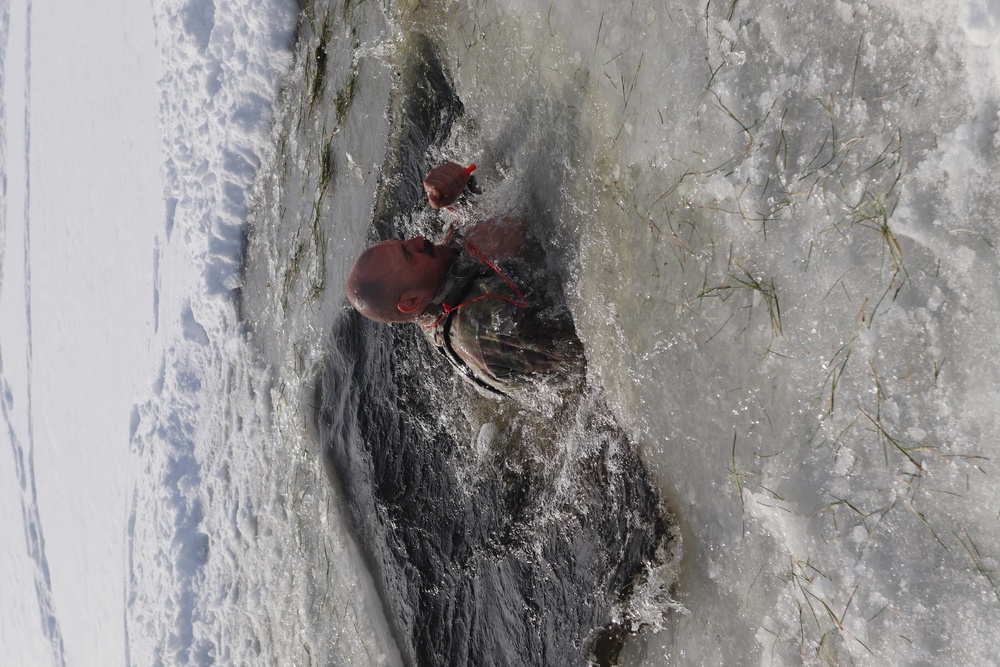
<point x="787" y="280"/>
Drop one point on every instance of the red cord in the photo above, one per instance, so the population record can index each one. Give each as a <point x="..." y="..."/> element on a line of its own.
<point x="521" y="302"/>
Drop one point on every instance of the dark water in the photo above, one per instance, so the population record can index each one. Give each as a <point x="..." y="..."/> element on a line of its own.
<point x="496" y="534"/>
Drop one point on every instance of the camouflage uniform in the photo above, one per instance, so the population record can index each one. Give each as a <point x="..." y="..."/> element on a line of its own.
<point x="495" y="344"/>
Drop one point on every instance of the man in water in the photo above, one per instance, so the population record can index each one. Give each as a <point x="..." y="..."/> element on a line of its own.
<point x="483" y="299"/>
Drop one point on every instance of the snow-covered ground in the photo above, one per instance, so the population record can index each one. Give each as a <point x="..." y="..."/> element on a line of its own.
<point x="97" y="99"/>
<point x="83" y="198"/>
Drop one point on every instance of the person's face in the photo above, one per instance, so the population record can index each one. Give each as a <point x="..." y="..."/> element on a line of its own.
<point x="415" y="268"/>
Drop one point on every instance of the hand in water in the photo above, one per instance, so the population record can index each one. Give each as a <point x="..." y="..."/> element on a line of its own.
<point x="445" y="183"/>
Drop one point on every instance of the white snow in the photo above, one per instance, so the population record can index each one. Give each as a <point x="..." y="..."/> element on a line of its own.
<point x="84" y="195"/>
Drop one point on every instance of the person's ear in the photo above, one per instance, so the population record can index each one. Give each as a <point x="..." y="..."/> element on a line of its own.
<point x="411" y="303"/>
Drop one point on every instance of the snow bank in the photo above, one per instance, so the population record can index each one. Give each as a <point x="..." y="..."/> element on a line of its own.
<point x="223" y="62"/>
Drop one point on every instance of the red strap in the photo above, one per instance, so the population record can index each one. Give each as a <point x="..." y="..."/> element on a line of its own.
<point x="521" y="302"/>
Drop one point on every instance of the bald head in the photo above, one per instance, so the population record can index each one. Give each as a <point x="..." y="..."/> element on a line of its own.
<point x="370" y="292"/>
<point x="395" y="281"/>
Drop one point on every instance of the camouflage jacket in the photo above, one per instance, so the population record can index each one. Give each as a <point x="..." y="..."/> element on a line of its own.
<point x="495" y="344"/>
